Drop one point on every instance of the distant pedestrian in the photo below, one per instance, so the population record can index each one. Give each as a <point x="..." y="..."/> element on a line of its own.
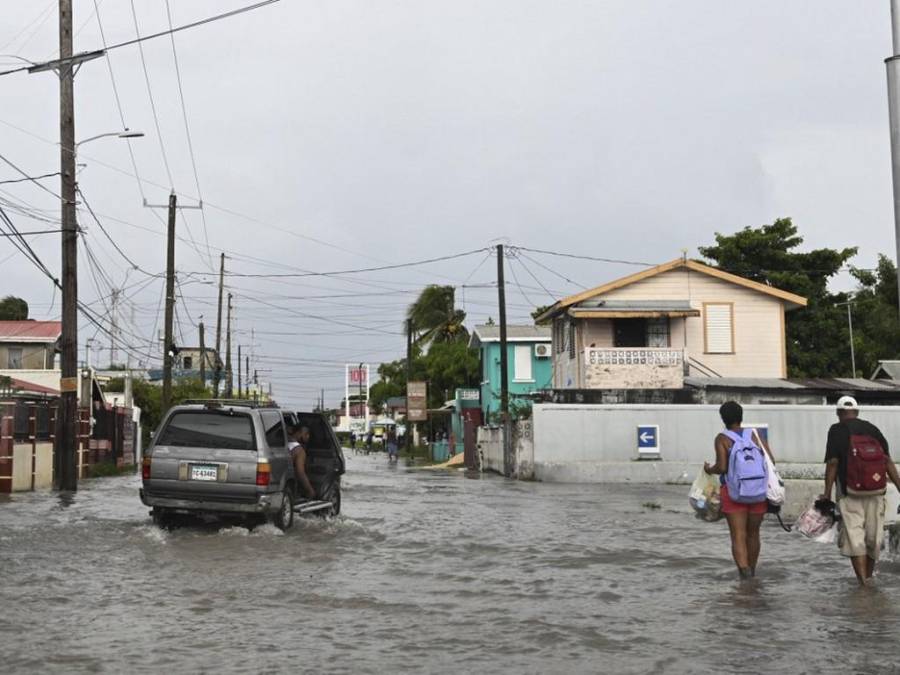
<point x="370" y="437"/>
<point x="857" y="459"/>
<point x="391" y="443"/>
<point x="353" y="441"/>
<point x="741" y="466"/>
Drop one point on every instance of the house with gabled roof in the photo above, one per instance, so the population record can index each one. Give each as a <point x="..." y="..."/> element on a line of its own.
<point x="28" y="355"/>
<point x="651" y="329"/>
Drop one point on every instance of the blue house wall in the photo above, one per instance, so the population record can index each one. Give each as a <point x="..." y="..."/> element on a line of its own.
<point x="541" y="376"/>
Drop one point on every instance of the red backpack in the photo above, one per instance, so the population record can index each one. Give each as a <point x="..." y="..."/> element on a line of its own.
<point x="866" y="467"/>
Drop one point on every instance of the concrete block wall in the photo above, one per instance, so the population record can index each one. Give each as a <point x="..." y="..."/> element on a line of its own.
<point x="598" y="443"/>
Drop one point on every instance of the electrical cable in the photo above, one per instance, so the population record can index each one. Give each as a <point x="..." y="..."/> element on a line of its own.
<point x="187" y="132"/>
<point x="141" y="39"/>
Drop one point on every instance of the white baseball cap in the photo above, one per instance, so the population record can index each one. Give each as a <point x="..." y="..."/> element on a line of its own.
<point x="847" y="403"/>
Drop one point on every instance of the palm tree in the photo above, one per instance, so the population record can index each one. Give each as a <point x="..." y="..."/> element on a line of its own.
<point x="435" y="318"/>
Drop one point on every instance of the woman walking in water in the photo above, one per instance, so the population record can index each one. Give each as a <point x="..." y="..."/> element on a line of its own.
<point x="743" y="474"/>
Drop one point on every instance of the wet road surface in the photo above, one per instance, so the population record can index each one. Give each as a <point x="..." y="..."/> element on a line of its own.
<point x="429" y="572"/>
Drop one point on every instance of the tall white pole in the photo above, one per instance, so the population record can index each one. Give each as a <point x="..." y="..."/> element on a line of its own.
<point x="893" y="82"/>
<point x="852" y="348"/>
<point x="367" y="396"/>
<point x="347" y="391"/>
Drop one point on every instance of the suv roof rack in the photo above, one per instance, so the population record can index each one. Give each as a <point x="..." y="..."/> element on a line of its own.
<point x="219" y="402"/>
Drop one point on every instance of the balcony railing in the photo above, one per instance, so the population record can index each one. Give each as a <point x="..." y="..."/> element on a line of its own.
<point x="633" y="368"/>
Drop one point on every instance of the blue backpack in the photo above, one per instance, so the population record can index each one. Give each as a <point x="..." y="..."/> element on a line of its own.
<point x="748" y="474"/>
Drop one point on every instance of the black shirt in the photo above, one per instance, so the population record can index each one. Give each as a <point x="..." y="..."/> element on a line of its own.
<point x="839" y="443"/>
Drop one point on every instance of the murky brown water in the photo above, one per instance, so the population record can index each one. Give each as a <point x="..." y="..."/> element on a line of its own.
<point x="429" y="572"/>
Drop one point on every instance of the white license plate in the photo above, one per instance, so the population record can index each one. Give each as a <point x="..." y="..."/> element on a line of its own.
<point x="204" y="472"/>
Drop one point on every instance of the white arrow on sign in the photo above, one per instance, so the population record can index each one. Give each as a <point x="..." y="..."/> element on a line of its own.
<point x="646" y="437"/>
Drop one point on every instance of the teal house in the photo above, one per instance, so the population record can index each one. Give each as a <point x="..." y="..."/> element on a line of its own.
<point x="530" y="369"/>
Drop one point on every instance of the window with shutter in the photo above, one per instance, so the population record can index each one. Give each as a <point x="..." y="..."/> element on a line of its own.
<point x="718" y="327"/>
<point x="571" y="339"/>
<point x="522" y="363"/>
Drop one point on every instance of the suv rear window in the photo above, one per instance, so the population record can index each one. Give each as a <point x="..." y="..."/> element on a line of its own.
<point x="209" y="429"/>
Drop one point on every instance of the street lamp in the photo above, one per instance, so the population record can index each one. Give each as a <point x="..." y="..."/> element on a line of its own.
<point x="126" y="133"/>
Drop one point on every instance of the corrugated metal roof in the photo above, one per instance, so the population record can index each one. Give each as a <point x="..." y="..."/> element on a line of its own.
<point x="636" y="305"/>
<point x="30" y="331"/>
<point x="742" y="383"/>
<point x="815" y="384"/>
<point x="890" y="369"/>
<point x="492" y="333"/>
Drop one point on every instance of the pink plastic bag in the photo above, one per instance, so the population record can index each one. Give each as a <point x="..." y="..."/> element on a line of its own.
<point x="812" y="523"/>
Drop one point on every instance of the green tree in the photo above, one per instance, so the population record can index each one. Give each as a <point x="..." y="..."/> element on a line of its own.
<point x="449" y="365"/>
<point x="435" y="318"/>
<point x="148" y="397"/>
<point x="816" y="335"/>
<point x="13" y="309"/>
<point x="876" y="329"/>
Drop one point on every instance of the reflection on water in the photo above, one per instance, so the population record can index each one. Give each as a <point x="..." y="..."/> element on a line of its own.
<point x="430" y="572"/>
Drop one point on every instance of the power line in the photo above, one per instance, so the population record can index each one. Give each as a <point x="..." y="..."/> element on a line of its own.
<point x="115" y="88"/>
<point x="295" y="275"/>
<point x="586" y="257"/>
<point x="187" y="132"/>
<point x="29" y="178"/>
<point x="162" y="146"/>
<point x="178" y="29"/>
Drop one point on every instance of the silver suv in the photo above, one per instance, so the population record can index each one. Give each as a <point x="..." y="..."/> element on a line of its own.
<point x="231" y="459"/>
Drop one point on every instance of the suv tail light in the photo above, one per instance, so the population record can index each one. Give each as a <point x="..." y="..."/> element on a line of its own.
<point x="263" y="474"/>
<point x="145" y="468"/>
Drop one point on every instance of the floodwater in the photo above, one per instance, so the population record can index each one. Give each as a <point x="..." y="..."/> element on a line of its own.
<point x="429" y="572"/>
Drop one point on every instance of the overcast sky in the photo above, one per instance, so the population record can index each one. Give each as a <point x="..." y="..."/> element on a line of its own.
<point x="342" y="135"/>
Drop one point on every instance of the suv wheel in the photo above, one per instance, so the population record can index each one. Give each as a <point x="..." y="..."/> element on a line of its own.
<point x="162" y="519"/>
<point x="284" y="518"/>
<point x="333" y="495"/>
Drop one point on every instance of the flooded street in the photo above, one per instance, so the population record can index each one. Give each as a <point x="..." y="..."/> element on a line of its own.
<point x="429" y="572"/>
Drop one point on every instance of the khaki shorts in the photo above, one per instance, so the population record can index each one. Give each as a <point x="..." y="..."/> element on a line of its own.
<point x="862" y="529"/>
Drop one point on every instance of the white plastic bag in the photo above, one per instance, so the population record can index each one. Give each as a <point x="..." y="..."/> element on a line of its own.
<point x="829" y="536"/>
<point x="813" y="524"/>
<point x="775" y="488"/>
<point x="704" y="496"/>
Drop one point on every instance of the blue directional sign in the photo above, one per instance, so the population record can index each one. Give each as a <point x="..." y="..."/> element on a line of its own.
<point x="648" y="439"/>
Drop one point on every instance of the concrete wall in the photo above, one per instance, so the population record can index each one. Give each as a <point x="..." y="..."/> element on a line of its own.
<point x="490" y="450"/>
<point x="598" y="443"/>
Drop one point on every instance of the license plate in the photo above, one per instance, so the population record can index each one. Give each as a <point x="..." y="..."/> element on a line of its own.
<point x="204" y="472"/>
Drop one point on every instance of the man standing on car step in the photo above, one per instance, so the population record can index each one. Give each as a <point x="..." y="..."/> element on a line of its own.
<point x="857" y="457"/>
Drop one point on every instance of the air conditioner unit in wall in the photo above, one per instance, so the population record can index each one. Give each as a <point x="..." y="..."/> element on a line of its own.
<point x="542" y="351"/>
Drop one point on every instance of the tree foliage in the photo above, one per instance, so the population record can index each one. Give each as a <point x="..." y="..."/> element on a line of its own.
<point x="435" y="318"/>
<point x="13" y="309"/>
<point x="148" y="396"/>
<point x="817" y="335"/>
<point x="876" y="327"/>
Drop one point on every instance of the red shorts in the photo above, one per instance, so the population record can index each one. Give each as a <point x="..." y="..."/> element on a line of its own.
<point x="731" y="506"/>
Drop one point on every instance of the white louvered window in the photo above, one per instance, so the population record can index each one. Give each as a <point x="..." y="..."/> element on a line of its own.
<point x="719" y="328"/>
<point x="522" y="363"/>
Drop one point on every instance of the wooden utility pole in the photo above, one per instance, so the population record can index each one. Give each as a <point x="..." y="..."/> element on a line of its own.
<point x="247" y="376"/>
<point x="229" y="376"/>
<point x="409" y="345"/>
<point x="168" y="344"/>
<point x="217" y="373"/>
<point x="113" y="326"/>
<point x="202" y="354"/>
<point x="67" y="419"/>
<point x="240" y="374"/>
<point x="504" y="365"/>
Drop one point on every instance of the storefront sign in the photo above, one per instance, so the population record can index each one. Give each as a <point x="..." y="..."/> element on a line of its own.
<point x="417" y="401"/>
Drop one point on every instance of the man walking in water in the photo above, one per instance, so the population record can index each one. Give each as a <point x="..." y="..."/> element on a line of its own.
<point x="857" y="458"/>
